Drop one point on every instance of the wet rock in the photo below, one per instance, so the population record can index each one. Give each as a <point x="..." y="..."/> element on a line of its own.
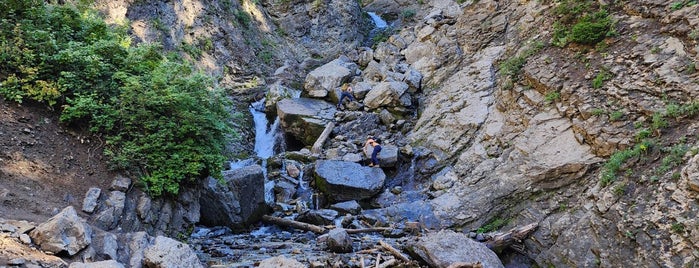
<point x="339" y="241"/>
<point x="167" y="252"/>
<point x="280" y="262"/>
<point x="284" y="191"/>
<point x="304" y="118"/>
<point x="236" y="202"/>
<point x="318" y="217"/>
<point x="344" y="181"/>
<point x="63" y="232"/>
<point x="351" y="207"/>
<point x="98" y="264"/>
<point x="91" y="197"/>
<point x="447" y="247"/>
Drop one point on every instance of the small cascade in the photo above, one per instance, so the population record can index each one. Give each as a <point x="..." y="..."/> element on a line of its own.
<point x="378" y="21"/>
<point x="265" y="134"/>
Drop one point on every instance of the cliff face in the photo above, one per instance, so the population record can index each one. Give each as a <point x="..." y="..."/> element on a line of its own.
<point x="532" y="147"/>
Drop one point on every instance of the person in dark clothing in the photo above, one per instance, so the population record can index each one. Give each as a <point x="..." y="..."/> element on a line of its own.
<point x="376" y="143"/>
<point x="345" y="92"/>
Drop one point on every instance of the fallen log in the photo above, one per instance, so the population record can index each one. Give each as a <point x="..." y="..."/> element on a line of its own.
<point x="318" y="145"/>
<point x="465" y="265"/>
<point x="367" y="230"/>
<point x="500" y="241"/>
<point x="393" y="251"/>
<point x="294" y="224"/>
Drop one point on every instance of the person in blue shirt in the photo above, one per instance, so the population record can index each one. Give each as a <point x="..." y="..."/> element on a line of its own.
<point x="345" y="92"/>
<point x="376" y="143"/>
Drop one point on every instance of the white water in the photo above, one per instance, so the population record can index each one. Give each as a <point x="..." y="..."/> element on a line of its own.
<point x="265" y="134"/>
<point x="378" y="21"/>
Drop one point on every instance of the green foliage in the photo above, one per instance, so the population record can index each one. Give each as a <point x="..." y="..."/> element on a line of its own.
<point x="243" y="18"/>
<point x="602" y="76"/>
<point x="408" y="13"/>
<point x="619" y="189"/>
<point x="617" y="160"/>
<point x="191" y="49"/>
<point x="159" y="117"/>
<point x="552" y="96"/>
<point x="583" y="22"/>
<point x="616" y="115"/>
<point x="598" y="111"/>
<point x="677" y="227"/>
<point x="512" y="66"/>
<point x="679" y="5"/>
<point x="494" y="225"/>
<point x="673" y="157"/>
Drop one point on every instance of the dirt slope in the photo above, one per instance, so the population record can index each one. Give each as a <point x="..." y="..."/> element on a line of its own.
<point x="44" y="166"/>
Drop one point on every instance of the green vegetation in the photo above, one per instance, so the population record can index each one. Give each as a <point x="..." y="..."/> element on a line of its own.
<point x="552" y="96"/>
<point x="494" y="225"/>
<point x="602" y="76"/>
<point x="243" y="18"/>
<point x="583" y="22"/>
<point x="616" y="115"/>
<point x="615" y="162"/>
<point x="160" y="118"/>
<point x="512" y="66"/>
<point x="677" y="227"/>
<point x="674" y="154"/>
<point x="407" y="14"/>
<point x="681" y="4"/>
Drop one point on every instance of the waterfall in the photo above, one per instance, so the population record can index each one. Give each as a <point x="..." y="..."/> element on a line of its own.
<point x="265" y="136"/>
<point x="378" y="21"/>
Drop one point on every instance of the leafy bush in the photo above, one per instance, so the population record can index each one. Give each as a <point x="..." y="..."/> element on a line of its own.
<point x="582" y="22"/>
<point x="160" y="118"/>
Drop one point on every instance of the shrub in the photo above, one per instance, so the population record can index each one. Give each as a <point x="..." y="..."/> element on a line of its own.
<point x="582" y="22"/>
<point x="602" y="76"/>
<point x="159" y="117"/>
<point x="591" y="29"/>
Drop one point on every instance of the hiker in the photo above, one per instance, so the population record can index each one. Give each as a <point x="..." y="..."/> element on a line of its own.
<point x="346" y="91"/>
<point x="376" y="143"/>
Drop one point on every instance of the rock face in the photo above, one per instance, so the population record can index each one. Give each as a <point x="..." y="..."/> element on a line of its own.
<point x="64" y="232"/>
<point x="304" y="118"/>
<point x="235" y="202"/>
<point x="167" y="252"/>
<point x="447" y="247"/>
<point x="343" y="181"/>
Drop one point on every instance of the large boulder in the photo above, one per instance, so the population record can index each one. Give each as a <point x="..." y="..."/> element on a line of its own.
<point x="389" y="95"/>
<point x="343" y="181"/>
<point x="64" y="232"/>
<point x="448" y="247"/>
<point x="388" y="157"/>
<point x="304" y="118"/>
<point x="167" y="252"/>
<point x="329" y="76"/>
<point x="237" y="201"/>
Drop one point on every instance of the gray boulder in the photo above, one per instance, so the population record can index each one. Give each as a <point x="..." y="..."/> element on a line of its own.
<point x="280" y="262"/>
<point x="387" y="94"/>
<point x="63" y="232"/>
<point x="329" y="76"/>
<point x="339" y="241"/>
<point x="305" y="118"/>
<point x="98" y="264"/>
<point x="91" y="197"/>
<point x="343" y="181"/>
<point x="318" y="217"/>
<point x="120" y="183"/>
<point x="351" y="207"/>
<point x="237" y="202"/>
<point x="108" y="218"/>
<point x="388" y="157"/>
<point x="447" y="247"/>
<point x="167" y="252"/>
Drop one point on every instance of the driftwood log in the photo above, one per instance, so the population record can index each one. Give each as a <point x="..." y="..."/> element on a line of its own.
<point x="294" y="224"/>
<point x="394" y="251"/>
<point x="500" y="241"/>
<point x="318" y="145"/>
<point x="315" y="228"/>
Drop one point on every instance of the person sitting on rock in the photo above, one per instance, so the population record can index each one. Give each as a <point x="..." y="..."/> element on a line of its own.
<point x="376" y="143"/>
<point x="345" y="92"/>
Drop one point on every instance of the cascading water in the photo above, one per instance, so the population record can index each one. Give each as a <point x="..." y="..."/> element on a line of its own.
<point x="378" y="21"/>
